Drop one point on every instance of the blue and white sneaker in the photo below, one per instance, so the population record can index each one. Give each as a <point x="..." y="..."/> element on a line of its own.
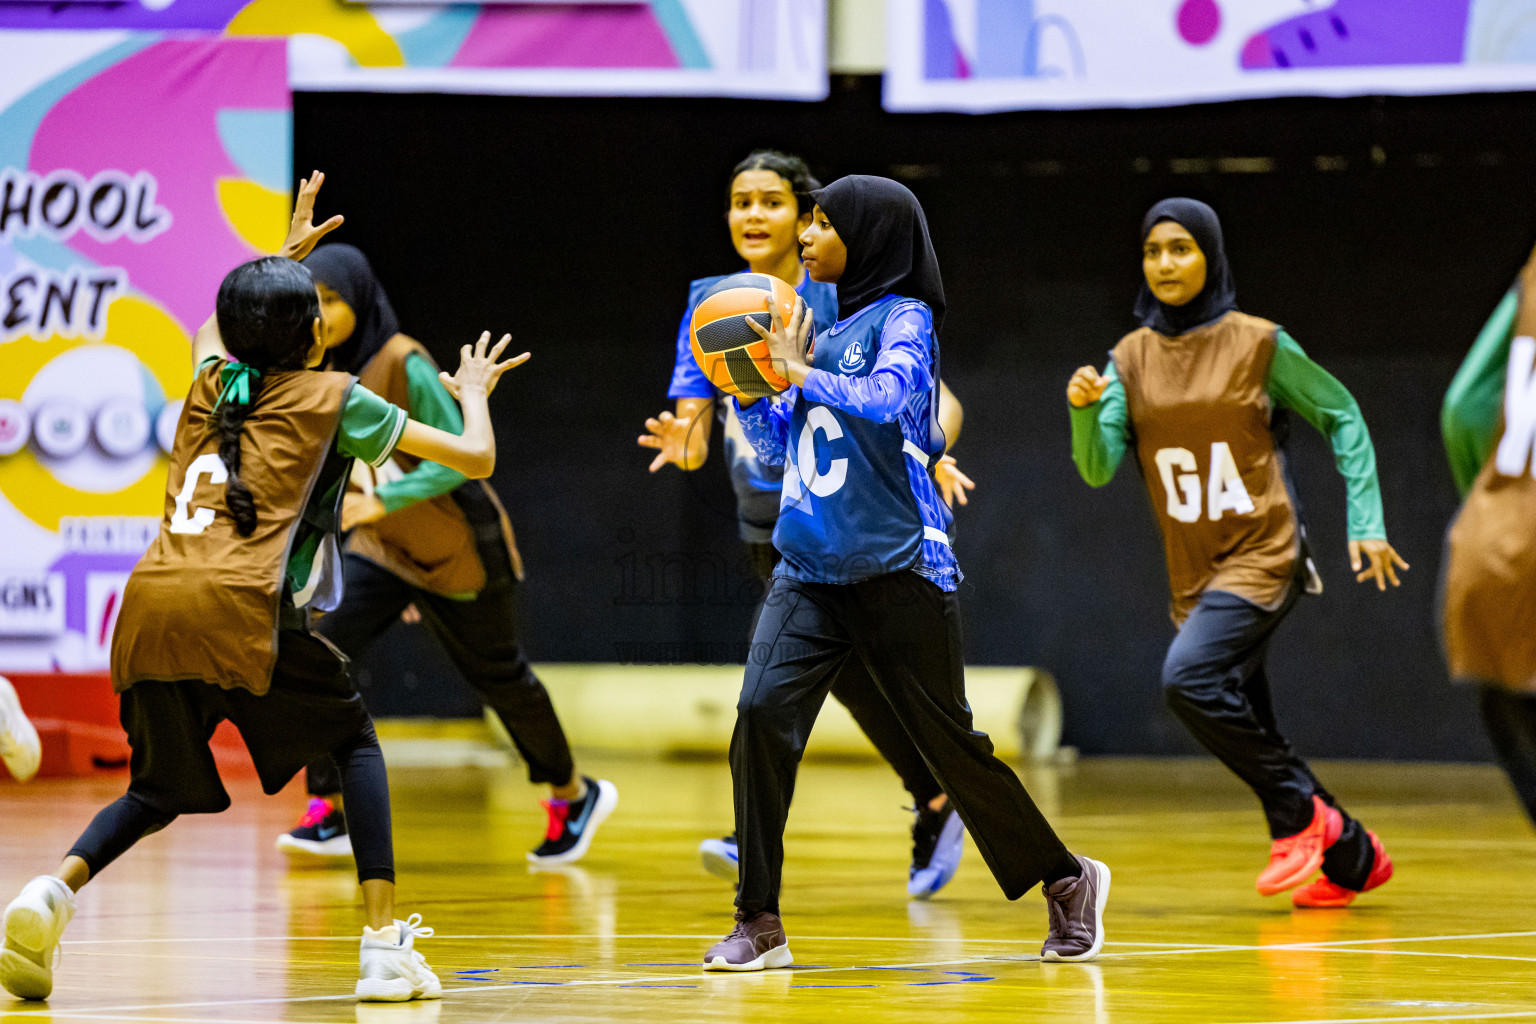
<point x="572" y="824"/>
<point x="938" y="839"/>
<point x="720" y="858"/>
<point x="322" y="833"/>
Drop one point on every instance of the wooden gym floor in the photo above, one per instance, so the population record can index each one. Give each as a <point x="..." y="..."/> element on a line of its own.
<point x="206" y="922"/>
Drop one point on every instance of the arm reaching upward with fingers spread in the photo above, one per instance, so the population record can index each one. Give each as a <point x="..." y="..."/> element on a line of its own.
<point x="302" y="238"/>
<point x="472" y="453"/>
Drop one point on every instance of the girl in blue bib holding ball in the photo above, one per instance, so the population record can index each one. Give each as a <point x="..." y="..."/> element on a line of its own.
<point x="867" y="574"/>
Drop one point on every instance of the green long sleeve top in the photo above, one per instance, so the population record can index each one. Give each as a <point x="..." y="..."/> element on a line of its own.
<point x="433" y="405"/>
<point x="1102" y="431"/>
<point x="1470" y="415"/>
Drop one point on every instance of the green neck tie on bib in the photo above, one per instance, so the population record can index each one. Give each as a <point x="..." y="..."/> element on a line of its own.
<point x="236" y="378"/>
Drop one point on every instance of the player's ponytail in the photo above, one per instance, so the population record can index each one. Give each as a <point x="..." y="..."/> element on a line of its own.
<point x="231" y="413"/>
<point x="266" y="312"/>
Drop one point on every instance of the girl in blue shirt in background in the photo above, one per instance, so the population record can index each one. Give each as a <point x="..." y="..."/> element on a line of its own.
<point x="868" y="576"/>
<point x="768" y="207"/>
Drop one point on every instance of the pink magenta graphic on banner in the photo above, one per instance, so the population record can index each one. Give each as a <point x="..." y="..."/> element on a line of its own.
<point x="567" y="37"/>
<point x="139" y="115"/>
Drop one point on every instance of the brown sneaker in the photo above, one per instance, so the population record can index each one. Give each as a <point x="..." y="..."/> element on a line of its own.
<point x="755" y="943"/>
<point x="1075" y="909"/>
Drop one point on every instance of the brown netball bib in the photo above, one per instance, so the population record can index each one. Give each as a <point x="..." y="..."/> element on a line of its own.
<point x="1200" y="413"/>
<point x="1489" y="592"/>
<point x="203" y="602"/>
<point x="429" y="544"/>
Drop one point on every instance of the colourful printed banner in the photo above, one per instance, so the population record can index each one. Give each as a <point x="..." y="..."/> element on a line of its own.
<point x="750" y="48"/>
<point x="135" y="169"/>
<point x="985" y="55"/>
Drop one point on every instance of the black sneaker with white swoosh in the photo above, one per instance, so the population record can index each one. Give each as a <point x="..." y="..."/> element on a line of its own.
<point x="573" y="823"/>
<point x="322" y="832"/>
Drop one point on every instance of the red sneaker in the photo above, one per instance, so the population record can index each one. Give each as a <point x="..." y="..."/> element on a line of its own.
<point x="1293" y="859"/>
<point x="1323" y="893"/>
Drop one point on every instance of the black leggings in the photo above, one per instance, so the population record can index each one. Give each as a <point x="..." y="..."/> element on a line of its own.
<point x="1214" y="681"/>
<point x="311" y="709"/>
<point x="1510" y="718"/>
<point x="478" y="636"/>
<point x="365" y="784"/>
<point x="855" y="690"/>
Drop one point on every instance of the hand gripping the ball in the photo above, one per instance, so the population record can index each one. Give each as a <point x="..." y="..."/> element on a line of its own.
<point x="787" y="343"/>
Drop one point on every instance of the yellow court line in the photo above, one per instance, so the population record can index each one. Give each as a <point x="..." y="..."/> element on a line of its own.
<point x="580" y="982"/>
<point x="1342" y="945"/>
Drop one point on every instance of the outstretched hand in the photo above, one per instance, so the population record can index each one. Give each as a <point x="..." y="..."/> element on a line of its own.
<point x="787" y="343"/>
<point x="478" y="369"/>
<point x="1086" y="386"/>
<point x="302" y="233"/>
<point x="672" y="437"/>
<point x="1384" y="562"/>
<point x="952" y="483"/>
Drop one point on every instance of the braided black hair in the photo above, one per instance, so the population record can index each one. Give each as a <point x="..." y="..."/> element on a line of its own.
<point x="787" y="166"/>
<point x="266" y="309"/>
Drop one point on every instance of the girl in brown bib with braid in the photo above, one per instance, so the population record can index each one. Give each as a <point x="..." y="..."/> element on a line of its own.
<point x="215" y="617"/>
<point x="1196" y="390"/>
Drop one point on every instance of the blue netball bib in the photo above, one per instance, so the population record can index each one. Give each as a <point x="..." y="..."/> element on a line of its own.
<point x="847" y="511"/>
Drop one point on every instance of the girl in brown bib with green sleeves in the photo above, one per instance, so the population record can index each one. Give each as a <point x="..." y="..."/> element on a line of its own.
<point x="214" y="624"/>
<point x="1195" y="389"/>
<point x="1488" y="595"/>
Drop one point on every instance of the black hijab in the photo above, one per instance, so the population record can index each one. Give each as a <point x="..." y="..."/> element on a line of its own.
<point x="1217" y="298"/>
<point x="345" y="270"/>
<point x="889" y="252"/>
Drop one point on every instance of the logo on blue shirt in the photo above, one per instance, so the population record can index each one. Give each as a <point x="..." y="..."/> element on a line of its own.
<point x="853" y="358"/>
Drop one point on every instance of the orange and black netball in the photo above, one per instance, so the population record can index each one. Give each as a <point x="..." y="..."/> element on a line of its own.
<point x="726" y="347"/>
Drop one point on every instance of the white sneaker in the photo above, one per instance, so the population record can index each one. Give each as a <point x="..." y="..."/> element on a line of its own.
<point x="391" y="970"/>
<point x="20" y="748"/>
<point x="33" y="923"/>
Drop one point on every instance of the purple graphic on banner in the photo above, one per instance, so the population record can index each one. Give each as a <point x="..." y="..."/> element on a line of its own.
<point x="1008" y="44"/>
<point x="1002" y="38"/>
<point x="1361" y="33"/>
<point x="180" y="14"/>
<point x="566" y="37"/>
<point x="941" y="55"/>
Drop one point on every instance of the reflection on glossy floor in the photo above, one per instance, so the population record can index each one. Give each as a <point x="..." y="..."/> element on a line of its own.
<point x="206" y="923"/>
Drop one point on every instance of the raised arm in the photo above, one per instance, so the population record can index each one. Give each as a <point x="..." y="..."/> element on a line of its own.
<point x="302" y="238"/>
<point x="1100" y="423"/>
<point x="472" y="453"/>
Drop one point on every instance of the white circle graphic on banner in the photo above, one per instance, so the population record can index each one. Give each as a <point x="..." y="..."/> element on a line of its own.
<point x="122" y="427"/>
<point x="62" y="428"/>
<point x="15" y="426"/>
<point x="90" y="379"/>
<point x="165" y="425"/>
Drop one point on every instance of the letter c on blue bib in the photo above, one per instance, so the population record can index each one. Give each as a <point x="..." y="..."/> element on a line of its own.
<point x="819" y="417"/>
